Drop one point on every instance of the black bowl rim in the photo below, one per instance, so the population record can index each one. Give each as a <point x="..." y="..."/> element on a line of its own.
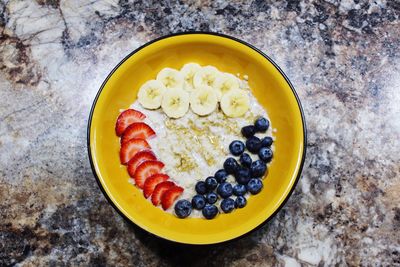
<point x="224" y="36"/>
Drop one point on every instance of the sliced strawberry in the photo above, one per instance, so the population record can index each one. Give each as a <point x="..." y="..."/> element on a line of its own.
<point x="126" y="118"/>
<point x="137" y="130"/>
<point x="130" y="148"/>
<point x="145" y="170"/>
<point x="159" y="191"/>
<point x="169" y="197"/>
<point x="152" y="182"/>
<point x="139" y="158"/>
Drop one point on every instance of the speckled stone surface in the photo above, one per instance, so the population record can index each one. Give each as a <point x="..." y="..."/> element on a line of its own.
<point x="343" y="57"/>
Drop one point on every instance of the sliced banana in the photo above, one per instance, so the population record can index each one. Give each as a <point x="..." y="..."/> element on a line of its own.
<point x="219" y="94"/>
<point x="235" y="103"/>
<point x="203" y="100"/>
<point x="151" y="93"/>
<point x="226" y="82"/>
<point x="171" y="78"/>
<point x="205" y="76"/>
<point x="188" y="70"/>
<point x="175" y="102"/>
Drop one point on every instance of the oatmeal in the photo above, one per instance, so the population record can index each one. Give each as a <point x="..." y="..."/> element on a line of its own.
<point x="194" y="147"/>
<point x="196" y="141"/>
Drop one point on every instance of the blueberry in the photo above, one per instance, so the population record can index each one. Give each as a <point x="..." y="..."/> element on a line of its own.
<point x="265" y="154"/>
<point x="248" y="131"/>
<point x="245" y="160"/>
<point x="236" y="147"/>
<point x="211" y="197"/>
<point x="183" y="208"/>
<point x="239" y="190"/>
<point x="227" y="205"/>
<point x="220" y="176"/>
<point x="242" y="175"/>
<point x="254" y="186"/>
<point x="201" y="188"/>
<point x="240" y="202"/>
<point x="261" y="124"/>
<point x="266" y="141"/>
<point x="258" y="168"/>
<point x="211" y="183"/>
<point x="253" y="144"/>
<point x="198" y="202"/>
<point x="225" y="190"/>
<point x="230" y="165"/>
<point x="210" y="211"/>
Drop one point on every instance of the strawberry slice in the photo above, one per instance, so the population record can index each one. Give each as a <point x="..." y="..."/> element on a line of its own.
<point x="139" y="158"/>
<point x="159" y="191"/>
<point x="152" y="182"/>
<point x="145" y="170"/>
<point x="169" y="196"/>
<point x="130" y="148"/>
<point x="126" y="118"/>
<point x="137" y="130"/>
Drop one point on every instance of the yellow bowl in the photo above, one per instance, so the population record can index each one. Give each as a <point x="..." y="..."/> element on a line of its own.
<point x="270" y="86"/>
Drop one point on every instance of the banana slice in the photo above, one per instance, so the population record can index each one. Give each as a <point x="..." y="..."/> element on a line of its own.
<point x="203" y="100"/>
<point x="226" y="82"/>
<point x="219" y="94"/>
<point x="151" y="93"/>
<point x="171" y="78"/>
<point x="188" y="70"/>
<point x="235" y="103"/>
<point x="175" y="102"/>
<point x="205" y="76"/>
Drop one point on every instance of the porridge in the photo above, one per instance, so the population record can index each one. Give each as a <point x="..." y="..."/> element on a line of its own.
<point x="196" y="141"/>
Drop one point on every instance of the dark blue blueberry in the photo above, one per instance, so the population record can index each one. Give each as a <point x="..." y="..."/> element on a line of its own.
<point x="267" y="141"/>
<point x="201" y="188"/>
<point x="248" y="131"/>
<point x="236" y="147"/>
<point x="240" y="202"/>
<point x="198" y="202"/>
<point x="211" y="183"/>
<point x="230" y="165"/>
<point x="254" y="186"/>
<point x="183" y="208"/>
<point x="258" y="168"/>
<point x="211" y="197"/>
<point x="261" y="124"/>
<point x="227" y="205"/>
<point x="210" y="211"/>
<point x="225" y="190"/>
<point x="239" y="190"/>
<point x="242" y="175"/>
<point x="221" y="175"/>
<point x="253" y="144"/>
<point x="265" y="154"/>
<point x="245" y="160"/>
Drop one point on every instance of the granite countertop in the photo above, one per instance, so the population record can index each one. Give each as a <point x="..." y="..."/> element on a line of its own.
<point x="343" y="57"/>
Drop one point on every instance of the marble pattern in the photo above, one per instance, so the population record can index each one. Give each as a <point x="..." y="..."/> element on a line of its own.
<point x="342" y="56"/>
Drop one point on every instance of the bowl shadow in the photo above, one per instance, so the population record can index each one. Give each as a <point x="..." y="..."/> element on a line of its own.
<point x="178" y="254"/>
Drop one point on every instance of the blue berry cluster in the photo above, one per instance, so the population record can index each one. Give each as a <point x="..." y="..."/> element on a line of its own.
<point x="248" y="175"/>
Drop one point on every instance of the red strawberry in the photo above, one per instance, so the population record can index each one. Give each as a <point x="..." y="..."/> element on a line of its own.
<point x="137" y="130"/>
<point x="130" y="148"/>
<point x="126" y="118"/>
<point x="169" y="197"/>
<point x="159" y="191"/>
<point x="152" y="182"/>
<point x="139" y="158"/>
<point x="145" y="170"/>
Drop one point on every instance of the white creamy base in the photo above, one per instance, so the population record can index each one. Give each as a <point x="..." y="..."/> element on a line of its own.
<point x="193" y="147"/>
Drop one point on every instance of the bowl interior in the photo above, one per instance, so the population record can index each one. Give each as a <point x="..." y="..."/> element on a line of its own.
<point x="267" y="84"/>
